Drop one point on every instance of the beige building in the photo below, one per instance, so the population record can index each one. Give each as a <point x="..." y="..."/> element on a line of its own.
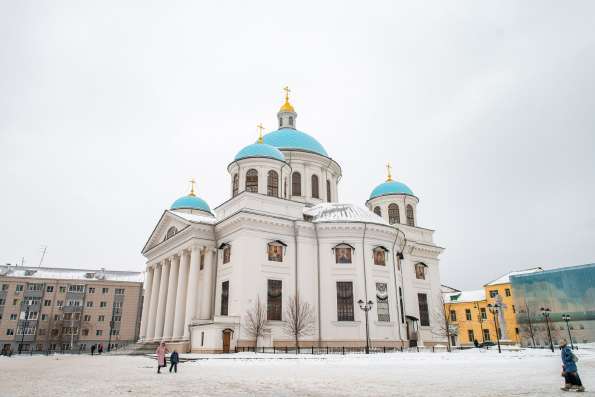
<point x="68" y="309"/>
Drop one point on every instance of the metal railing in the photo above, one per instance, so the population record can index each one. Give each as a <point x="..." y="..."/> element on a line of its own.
<point x="341" y="350"/>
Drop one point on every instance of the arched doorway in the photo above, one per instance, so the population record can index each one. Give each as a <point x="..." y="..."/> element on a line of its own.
<point x="227" y="334"/>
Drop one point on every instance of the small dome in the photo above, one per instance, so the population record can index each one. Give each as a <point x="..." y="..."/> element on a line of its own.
<point x="191" y="202"/>
<point x="289" y="138"/>
<point x="390" y="187"/>
<point x="260" y="150"/>
<point x="287" y="107"/>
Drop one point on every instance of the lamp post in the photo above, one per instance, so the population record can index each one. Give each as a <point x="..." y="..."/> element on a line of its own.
<point x="366" y="307"/>
<point x="476" y="304"/>
<point x="494" y="310"/>
<point x="566" y="318"/>
<point x="545" y="312"/>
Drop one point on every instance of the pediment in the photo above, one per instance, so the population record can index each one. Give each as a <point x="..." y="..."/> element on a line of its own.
<point x="168" y="223"/>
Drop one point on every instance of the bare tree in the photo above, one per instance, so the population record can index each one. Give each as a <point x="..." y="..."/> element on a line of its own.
<point x="299" y="319"/>
<point x="256" y="318"/>
<point x="446" y="327"/>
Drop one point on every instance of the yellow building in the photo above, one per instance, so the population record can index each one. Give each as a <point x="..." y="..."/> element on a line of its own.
<point x="470" y="318"/>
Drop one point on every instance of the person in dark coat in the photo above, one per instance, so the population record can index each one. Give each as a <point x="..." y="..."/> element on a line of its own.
<point x="569" y="369"/>
<point x="100" y="348"/>
<point x="93" y="347"/>
<point x="174" y="359"/>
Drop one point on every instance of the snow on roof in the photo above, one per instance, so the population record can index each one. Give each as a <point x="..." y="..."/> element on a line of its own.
<point x="506" y="278"/>
<point x="71" y="274"/>
<point x="465" y="296"/>
<point x="340" y="212"/>
<point x="195" y="218"/>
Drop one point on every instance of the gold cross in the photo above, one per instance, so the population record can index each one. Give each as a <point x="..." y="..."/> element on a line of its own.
<point x="389" y="172"/>
<point x="192" y="182"/>
<point x="260" y="128"/>
<point x="287" y="91"/>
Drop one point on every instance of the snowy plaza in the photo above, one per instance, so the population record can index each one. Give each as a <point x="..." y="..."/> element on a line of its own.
<point x="461" y="373"/>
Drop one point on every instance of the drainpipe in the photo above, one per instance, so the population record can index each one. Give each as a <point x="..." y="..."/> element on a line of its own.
<point x="396" y="288"/>
<point x="365" y="277"/>
<point x="318" y="282"/>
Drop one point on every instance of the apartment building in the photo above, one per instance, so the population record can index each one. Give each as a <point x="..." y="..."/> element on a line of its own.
<point x="44" y="308"/>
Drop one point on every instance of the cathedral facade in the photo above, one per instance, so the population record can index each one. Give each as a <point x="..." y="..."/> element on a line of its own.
<point x="282" y="261"/>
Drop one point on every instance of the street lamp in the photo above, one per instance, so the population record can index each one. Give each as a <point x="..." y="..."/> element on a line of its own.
<point x="494" y="310"/>
<point x="366" y="307"/>
<point x="476" y="304"/>
<point x="566" y="318"/>
<point x="545" y="312"/>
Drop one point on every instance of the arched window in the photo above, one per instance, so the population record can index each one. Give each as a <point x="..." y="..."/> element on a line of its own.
<point x="410" y="220"/>
<point x="377" y="211"/>
<point x="252" y="181"/>
<point x="296" y="184"/>
<point x="291" y="121"/>
<point x="420" y="271"/>
<point x="328" y="191"/>
<point x="235" y="185"/>
<point x="170" y="232"/>
<point x="393" y="214"/>
<point x="273" y="184"/>
<point x="315" y="186"/>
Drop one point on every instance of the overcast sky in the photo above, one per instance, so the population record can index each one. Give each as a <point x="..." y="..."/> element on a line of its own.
<point x="485" y="109"/>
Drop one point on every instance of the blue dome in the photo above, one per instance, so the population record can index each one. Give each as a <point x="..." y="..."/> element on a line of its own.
<point x="392" y="187"/>
<point x="288" y="138"/>
<point x="260" y="150"/>
<point x="191" y="202"/>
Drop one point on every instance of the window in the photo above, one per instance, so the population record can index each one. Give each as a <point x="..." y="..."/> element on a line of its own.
<point x="513" y="309"/>
<point x="274" y="300"/>
<point x="401" y="305"/>
<point x="380" y="256"/>
<point x="41" y="332"/>
<point x="420" y="271"/>
<point x="171" y="232"/>
<point x="507" y="291"/>
<point x="202" y="261"/>
<point x="117" y="319"/>
<point x="315" y="187"/>
<point x="291" y="120"/>
<point x="471" y="335"/>
<point x="59" y="304"/>
<point x="13" y="316"/>
<point x="62" y="289"/>
<point x="5" y="287"/>
<point x="377" y="211"/>
<point x="484" y="315"/>
<point x="424" y="316"/>
<point x="76" y="288"/>
<point x="19" y="288"/>
<point x="252" y="181"/>
<point x="91" y="290"/>
<point x="115" y="332"/>
<point x="224" y="297"/>
<point x="15" y="302"/>
<point x="67" y="316"/>
<point x="516" y="331"/>
<point x="75" y="303"/>
<point x="410" y="220"/>
<point x="50" y="288"/>
<point x="104" y="290"/>
<point x="47" y="302"/>
<point x="85" y="332"/>
<point x="468" y="314"/>
<point x="273" y="184"/>
<point x="453" y="315"/>
<point x="34" y="287"/>
<point x="344" y="301"/>
<point x="117" y="305"/>
<point x="98" y="332"/>
<point x="382" y="302"/>
<point x="486" y="335"/>
<point x="9" y="331"/>
<point x="87" y="317"/>
<point x="2" y="303"/>
<point x="31" y="316"/>
<point x="44" y="317"/>
<point x="226" y="253"/>
<point x="119" y="291"/>
<point x="393" y="214"/>
<point x="235" y="185"/>
<point x="89" y="303"/>
<point x="103" y="304"/>
<point x="275" y="252"/>
<point x="101" y="318"/>
<point x="56" y="317"/>
<point x="296" y="184"/>
<point x="328" y="191"/>
<point x="343" y="253"/>
<point x="493" y="293"/>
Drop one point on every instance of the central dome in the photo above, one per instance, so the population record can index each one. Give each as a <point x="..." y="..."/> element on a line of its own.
<point x="292" y="139"/>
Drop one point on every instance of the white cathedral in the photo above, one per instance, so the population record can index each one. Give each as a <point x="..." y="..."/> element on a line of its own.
<point x="284" y="234"/>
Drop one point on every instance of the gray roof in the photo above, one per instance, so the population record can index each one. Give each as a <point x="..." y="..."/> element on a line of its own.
<point x="340" y="212"/>
<point x="71" y="274"/>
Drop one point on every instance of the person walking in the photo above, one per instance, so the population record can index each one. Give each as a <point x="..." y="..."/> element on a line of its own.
<point x="174" y="359"/>
<point x="569" y="369"/>
<point x="100" y="348"/>
<point x="93" y="347"/>
<point x="161" y="352"/>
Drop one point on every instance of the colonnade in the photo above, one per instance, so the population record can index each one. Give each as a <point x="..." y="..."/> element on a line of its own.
<point x="172" y="291"/>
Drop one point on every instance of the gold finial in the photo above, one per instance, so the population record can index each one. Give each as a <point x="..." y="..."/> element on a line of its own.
<point x="192" y="183"/>
<point x="260" y="128"/>
<point x="389" y="172"/>
<point x="286" y="106"/>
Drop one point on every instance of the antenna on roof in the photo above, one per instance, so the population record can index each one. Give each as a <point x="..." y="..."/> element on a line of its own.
<point x="45" y="248"/>
<point x="22" y="261"/>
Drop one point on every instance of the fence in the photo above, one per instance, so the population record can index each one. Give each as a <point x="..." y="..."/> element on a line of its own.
<point x="47" y="352"/>
<point x="338" y="350"/>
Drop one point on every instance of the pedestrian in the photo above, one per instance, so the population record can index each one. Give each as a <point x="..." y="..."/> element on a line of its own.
<point x="161" y="352"/>
<point x="100" y="348"/>
<point x="174" y="359"/>
<point x="475" y="343"/>
<point x="569" y="369"/>
<point x="93" y="347"/>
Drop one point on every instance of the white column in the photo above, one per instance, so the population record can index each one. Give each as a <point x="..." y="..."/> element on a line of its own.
<point x="160" y="317"/>
<point x="207" y="286"/>
<point x="153" y="305"/>
<point x="192" y="295"/>
<point x="171" y="297"/>
<point x="146" y="302"/>
<point x="180" y="311"/>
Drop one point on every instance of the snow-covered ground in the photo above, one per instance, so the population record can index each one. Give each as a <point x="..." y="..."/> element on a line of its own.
<point x="462" y="373"/>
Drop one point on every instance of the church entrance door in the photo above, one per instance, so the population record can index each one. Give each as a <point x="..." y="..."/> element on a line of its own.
<point x="226" y="340"/>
